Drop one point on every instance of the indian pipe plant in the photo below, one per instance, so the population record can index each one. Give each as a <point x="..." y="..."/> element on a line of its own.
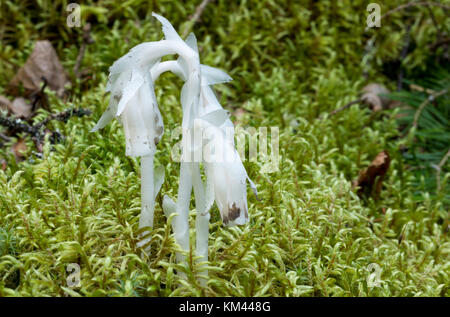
<point x="207" y="138"/>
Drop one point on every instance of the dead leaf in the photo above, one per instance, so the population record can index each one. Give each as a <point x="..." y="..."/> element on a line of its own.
<point x="21" y="108"/>
<point x="373" y="175"/>
<point x="372" y="95"/>
<point x="19" y="149"/>
<point x="5" y="103"/>
<point x="42" y="63"/>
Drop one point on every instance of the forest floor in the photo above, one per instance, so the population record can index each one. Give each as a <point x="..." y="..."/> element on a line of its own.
<point x="68" y="196"/>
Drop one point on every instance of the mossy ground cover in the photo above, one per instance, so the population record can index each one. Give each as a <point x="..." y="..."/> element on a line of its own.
<point x="309" y="235"/>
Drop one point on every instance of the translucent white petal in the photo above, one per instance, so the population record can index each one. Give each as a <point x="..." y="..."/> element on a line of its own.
<point x="111" y="79"/>
<point x="106" y="117"/>
<point x="167" y="28"/>
<point x="229" y="181"/>
<point x="191" y="41"/>
<point x="138" y="122"/>
<point x="117" y="86"/>
<point x="158" y="180"/>
<point x="253" y="187"/>
<point x="167" y="66"/>
<point x="169" y="206"/>
<point x="131" y="87"/>
<point x="145" y="55"/>
<point x="209" y="190"/>
<point x="214" y="75"/>
<point x="216" y="117"/>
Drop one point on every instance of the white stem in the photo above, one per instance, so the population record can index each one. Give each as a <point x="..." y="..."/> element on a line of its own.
<point x="201" y="221"/>
<point x="181" y="221"/>
<point x="147" y="200"/>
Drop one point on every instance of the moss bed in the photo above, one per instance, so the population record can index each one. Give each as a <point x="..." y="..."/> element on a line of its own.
<point x="310" y="235"/>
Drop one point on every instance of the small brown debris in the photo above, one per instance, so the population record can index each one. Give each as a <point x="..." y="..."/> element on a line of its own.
<point x="87" y="39"/>
<point x="21" y="108"/>
<point x="19" y="149"/>
<point x="42" y="63"/>
<point x="373" y="96"/>
<point x="373" y="175"/>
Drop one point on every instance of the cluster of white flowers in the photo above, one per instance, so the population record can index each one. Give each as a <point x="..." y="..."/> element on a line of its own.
<point x="133" y="101"/>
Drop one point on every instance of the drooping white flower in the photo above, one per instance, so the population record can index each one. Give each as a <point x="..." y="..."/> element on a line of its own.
<point x="226" y="175"/>
<point x="132" y="93"/>
<point x="134" y="103"/>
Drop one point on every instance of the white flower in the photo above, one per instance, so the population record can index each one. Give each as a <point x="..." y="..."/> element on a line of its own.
<point x="134" y="102"/>
<point x="132" y="93"/>
<point x="226" y="175"/>
<point x="133" y="99"/>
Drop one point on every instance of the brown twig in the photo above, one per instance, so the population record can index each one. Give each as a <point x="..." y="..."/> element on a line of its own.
<point x="196" y="16"/>
<point x="87" y="39"/>
<point x="440" y="42"/>
<point x="39" y="95"/>
<point x="34" y="131"/>
<point x="63" y="116"/>
<point x="16" y="125"/>
<point x="412" y="4"/>
<point x="351" y="103"/>
<point x="421" y="89"/>
<point x="424" y="104"/>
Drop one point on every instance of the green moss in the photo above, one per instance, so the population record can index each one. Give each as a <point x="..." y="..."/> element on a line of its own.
<point x="310" y="235"/>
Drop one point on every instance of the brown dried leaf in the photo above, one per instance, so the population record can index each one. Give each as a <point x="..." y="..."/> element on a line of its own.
<point x="42" y="63"/>
<point x="371" y="96"/>
<point x="19" y="149"/>
<point x="21" y="108"/>
<point x="373" y="175"/>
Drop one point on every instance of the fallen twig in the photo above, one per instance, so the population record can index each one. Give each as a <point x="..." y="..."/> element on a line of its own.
<point x="34" y="131"/>
<point x="421" y="89"/>
<point x="39" y="95"/>
<point x="332" y="113"/>
<point x="439" y="43"/>
<point x="424" y="104"/>
<point x="87" y="39"/>
<point x="198" y="12"/>
<point x="413" y="4"/>
<point x="63" y="116"/>
<point x="17" y="125"/>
